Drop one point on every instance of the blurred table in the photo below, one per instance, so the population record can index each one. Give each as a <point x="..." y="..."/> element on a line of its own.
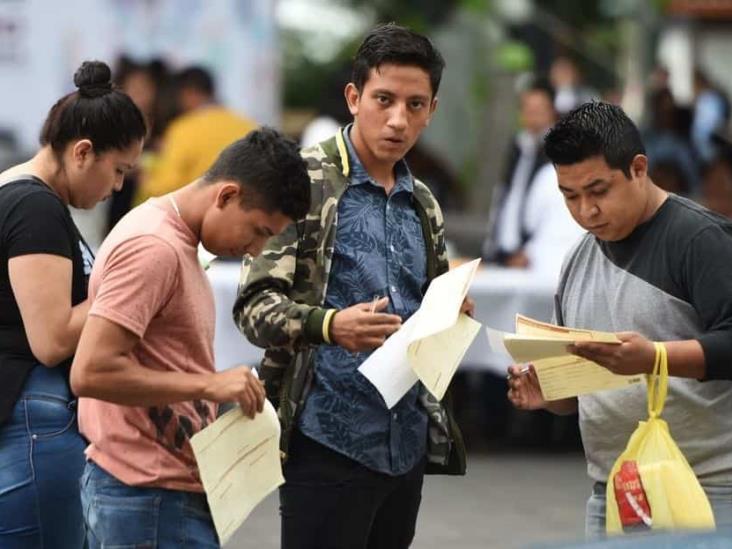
<point x="498" y="294"/>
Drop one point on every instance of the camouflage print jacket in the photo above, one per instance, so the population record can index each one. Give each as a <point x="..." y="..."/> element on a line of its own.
<point x="281" y="294"/>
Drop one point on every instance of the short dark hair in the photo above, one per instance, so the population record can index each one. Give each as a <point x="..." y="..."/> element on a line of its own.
<point x="196" y="78"/>
<point x="391" y="43"/>
<point x="540" y="84"/>
<point x="96" y="111"/>
<point x="270" y="170"/>
<point x="595" y="129"/>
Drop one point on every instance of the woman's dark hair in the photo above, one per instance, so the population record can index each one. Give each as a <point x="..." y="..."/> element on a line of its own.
<point x="391" y="43"/>
<point x="96" y="111"/>
<point x="594" y="129"/>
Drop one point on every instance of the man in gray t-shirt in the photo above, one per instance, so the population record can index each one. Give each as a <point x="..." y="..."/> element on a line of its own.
<point x="652" y="267"/>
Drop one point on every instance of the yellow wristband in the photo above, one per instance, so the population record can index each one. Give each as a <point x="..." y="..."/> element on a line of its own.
<point x="326" y="324"/>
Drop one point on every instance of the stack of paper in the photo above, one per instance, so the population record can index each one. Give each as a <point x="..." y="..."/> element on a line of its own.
<point x="430" y="345"/>
<point x="239" y="462"/>
<point x="561" y="374"/>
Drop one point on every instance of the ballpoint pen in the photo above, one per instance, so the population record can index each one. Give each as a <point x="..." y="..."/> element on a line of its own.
<point x="523" y="371"/>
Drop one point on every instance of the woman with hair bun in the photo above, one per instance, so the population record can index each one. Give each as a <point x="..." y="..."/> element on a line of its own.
<point x="90" y="139"/>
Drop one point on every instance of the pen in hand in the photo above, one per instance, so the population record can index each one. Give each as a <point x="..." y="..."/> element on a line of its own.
<point x="522" y="372"/>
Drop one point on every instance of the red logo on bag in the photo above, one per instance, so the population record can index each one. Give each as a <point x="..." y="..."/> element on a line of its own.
<point x="633" y="505"/>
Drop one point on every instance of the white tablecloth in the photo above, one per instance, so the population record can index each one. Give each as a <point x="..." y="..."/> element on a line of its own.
<point x="498" y="293"/>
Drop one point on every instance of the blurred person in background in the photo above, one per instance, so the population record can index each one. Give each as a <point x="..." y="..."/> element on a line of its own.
<point x="91" y="138"/>
<point x="716" y="191"/>
<point x="570" y="91"/>
<point x="671" y="160"/>
<point x="331" y="113"/>
<point x="658" y="79"/>
<point x="194" y="139"/>
<point x="711" y="115"/>
<point x="529" y="227"/>
<point x="142" y="82"/>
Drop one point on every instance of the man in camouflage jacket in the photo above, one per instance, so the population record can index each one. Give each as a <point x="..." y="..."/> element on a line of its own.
<point x="280" y="300"/>
<point x="282" y="297"/>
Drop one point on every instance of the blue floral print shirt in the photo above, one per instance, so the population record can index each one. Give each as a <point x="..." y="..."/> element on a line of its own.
<point x="379" y="251"/>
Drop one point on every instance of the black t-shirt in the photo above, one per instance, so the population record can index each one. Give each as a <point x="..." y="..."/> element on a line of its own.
<point x="33" y="220"/>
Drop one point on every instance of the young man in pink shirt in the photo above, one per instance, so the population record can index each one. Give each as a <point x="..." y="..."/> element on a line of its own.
<point x="145" y="359"/>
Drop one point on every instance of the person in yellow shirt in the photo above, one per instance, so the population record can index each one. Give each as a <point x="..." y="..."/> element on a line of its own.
<point x="194" y="139"/>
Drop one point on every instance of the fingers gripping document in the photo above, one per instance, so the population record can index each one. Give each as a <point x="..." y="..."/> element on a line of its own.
<point x="239" y="462"/>
<point x="430" y="345"/>
<point x="561" y="374"/>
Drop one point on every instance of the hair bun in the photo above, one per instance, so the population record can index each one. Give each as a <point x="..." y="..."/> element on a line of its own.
<point x="93" y="79"/>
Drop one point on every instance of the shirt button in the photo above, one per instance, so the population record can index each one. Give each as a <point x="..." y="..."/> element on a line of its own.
<point x="391" y="247"/>
<point x="393" y="289"/>
<point x="394" y="416"/>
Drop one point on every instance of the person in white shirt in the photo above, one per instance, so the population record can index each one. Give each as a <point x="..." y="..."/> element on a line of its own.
<point x="529" y="226"/>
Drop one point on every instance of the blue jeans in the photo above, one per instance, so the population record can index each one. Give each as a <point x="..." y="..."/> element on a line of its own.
<point x="41" y="460"/>
<point x="118" y="515"/>
<point x="720" y="498"/>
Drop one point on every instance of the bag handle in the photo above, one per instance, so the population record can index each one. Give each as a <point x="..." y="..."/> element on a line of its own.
<point x="658" y="382"/>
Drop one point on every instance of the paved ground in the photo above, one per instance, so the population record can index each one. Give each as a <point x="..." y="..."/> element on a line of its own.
<point x="505" y="501"/>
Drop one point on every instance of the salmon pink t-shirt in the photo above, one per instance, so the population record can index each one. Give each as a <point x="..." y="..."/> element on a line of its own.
<point x="148" y="280"/>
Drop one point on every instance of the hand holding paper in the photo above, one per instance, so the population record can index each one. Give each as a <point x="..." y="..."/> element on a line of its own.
<point x="239" y="462"/>
<point x="524" y="389"/>
<point x="364" y="326"/>
<point x="635" y="355"/>
<point x="430" y="345"/>
<point x="560" y="373"/>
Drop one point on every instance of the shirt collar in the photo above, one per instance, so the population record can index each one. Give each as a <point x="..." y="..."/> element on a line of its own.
<point x="358" y="174"/>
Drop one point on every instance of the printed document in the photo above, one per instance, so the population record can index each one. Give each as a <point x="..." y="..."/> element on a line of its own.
<point x="239" y="462"/>
<point x="430" y="345"/>
<point x="561" y="374"/>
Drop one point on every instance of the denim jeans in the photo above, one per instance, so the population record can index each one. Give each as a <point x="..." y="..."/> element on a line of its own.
<point x="720" y="498"/>
<point x="41" y="460"/>
<point x="118" y="515"/>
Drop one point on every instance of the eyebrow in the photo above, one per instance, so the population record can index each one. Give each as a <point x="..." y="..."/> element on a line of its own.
<point x="127" y="166"/>
<point x="391" y="94"/>
<point x="590" y="185"/>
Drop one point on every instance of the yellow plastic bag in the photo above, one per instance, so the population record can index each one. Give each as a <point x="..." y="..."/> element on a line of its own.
<point x="655" y="486"/>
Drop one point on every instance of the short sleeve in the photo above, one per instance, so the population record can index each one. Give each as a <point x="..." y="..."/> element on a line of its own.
<point x="708" y="277"/>
<point x="138" y="279"/>
<point x="38" y="224"/>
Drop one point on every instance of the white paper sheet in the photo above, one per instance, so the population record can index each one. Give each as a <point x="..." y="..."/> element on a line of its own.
<point x="387" y="368"/>
<point x="430" y="345"/>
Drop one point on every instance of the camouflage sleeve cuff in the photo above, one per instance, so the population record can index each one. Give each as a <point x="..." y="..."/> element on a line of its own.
<point x="313" y="332"/>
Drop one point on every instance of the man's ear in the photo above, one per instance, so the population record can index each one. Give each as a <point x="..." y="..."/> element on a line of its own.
<point x="226" y="193"/>
<point x="353" y="98"/>
<point x="433" y="108"/>
<point x="639" y="166"/>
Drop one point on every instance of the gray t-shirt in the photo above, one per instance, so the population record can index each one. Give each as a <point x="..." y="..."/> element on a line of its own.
<point x="671" y="279"/>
